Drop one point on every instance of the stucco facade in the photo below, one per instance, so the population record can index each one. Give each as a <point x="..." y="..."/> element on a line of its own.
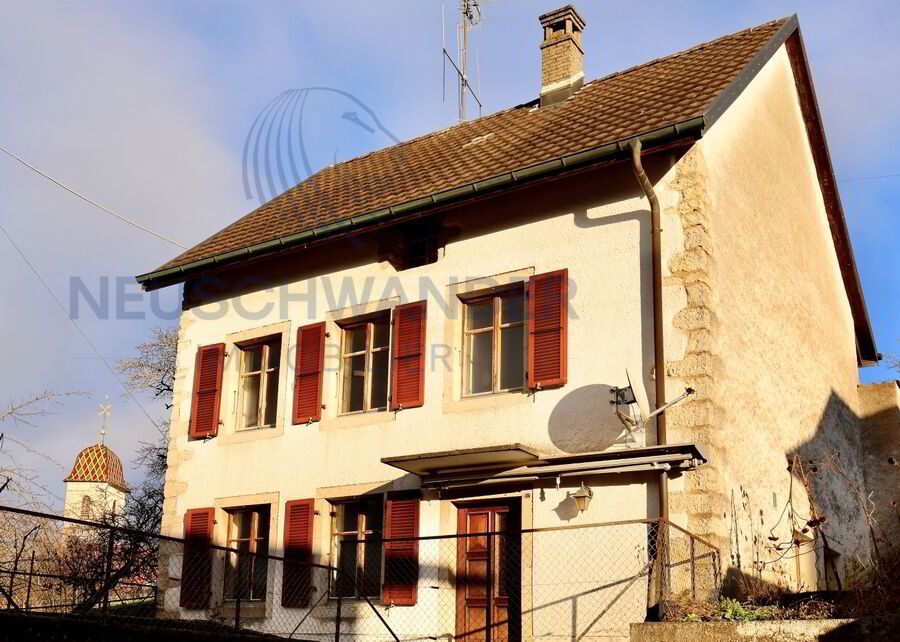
<point x="766" y="336"/>
<point x="756" y="321"/>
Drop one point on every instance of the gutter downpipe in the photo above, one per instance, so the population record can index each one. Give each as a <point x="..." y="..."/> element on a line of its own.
<point x="659" y="359"/>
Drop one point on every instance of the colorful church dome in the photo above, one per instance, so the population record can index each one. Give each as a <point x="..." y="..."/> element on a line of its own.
<point x="98" y="463"/>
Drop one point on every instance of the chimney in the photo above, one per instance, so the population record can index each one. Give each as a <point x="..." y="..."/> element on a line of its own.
<point x="562" y="58"/>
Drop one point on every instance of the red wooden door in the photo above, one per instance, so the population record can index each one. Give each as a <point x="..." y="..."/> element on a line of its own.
<point x="488" y="571"/>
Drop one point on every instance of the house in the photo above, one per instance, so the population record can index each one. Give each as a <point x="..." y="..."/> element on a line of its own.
<point x="420" y="344"/>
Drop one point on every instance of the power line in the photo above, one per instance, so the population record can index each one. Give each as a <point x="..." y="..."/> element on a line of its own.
<point x="867" y="178"/>
<point x="94" y="203"/>
<point x="80" y="331"/>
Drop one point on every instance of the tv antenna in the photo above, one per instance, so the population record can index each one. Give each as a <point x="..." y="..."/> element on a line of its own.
<point x="635" y="419"/>
<point x="470" y="16"/>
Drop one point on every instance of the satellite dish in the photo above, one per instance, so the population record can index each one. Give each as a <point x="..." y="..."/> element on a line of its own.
<point x="640" y="394"/>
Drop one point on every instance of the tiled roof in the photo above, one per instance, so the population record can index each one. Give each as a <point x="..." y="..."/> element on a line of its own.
<point x="660" y="93"/>
<point x="98" y="463"/>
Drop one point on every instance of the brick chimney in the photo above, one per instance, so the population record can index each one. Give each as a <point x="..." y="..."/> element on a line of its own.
<point x="562" y="58"/>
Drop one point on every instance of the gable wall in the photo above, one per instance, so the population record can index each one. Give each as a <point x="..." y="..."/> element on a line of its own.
<point x="766" y="337"/>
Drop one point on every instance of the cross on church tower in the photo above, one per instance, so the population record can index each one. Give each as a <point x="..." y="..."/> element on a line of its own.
<point x="104" y="410"/>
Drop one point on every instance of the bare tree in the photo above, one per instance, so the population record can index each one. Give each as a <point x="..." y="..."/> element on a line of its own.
<point x="151" y="371"/>
<point x="16" y="477"/>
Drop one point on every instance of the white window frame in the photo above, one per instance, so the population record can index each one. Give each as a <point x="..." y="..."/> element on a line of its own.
<point x="359" y="534"/>
<point x="496" y="329"/>
<point x="368" y="350"/>
<point x="265" y="373"/>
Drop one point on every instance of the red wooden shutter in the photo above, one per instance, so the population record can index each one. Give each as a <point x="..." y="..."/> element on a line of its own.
<point x="296" y="583"/>
<point x="408" y="356"/>
<point x="401" y="559"/>
<point x="310" y="365"/>
<point x="207" y="391"/>
<point x="547" y="329"/>
<point x="196" y="561"/>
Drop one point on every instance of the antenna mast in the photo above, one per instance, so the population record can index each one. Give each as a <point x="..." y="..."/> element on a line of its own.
<point x="470" y="15"/>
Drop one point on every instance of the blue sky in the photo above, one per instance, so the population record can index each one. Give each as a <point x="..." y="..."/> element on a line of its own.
<point x="145" y="106"/>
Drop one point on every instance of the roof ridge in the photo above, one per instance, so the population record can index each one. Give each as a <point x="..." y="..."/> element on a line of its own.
<point x="678" y="54"/>
<point x="528" y="103"/>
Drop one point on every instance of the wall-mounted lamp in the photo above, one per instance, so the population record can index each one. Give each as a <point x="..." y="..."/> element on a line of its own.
<point x="582" y="497"/>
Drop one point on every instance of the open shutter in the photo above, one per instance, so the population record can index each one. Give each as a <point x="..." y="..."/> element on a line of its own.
<point x="310" y="364"/>
<point x="401" y="559"/>
<point x="296" y="582"/>
<point x="196" y="562"/>
<point x="207" y="391"/>
<point x="547" y="329"/>
<point x="408" y="356"/>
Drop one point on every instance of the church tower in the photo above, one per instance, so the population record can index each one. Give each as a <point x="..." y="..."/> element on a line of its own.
<point x="96" y="486"/>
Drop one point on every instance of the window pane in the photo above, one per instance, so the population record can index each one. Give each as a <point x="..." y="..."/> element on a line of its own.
<point x="371" y="572"/>
<point x="354" y="383"/>
<point x="512" y="309"/>
<point x="481" y="362"/>
<point x="271" y="398"/>
<point x="355" y="339"/>
<point x="347" y="514"/>
<point x="479" y="315"/>
<point x="512" y="369"/>
<point x="250" y="400"/>
<point x="262" y="530"/>
<point x="260" y="566"/>
<point x="381" y="332"/>
<point x="252" y="359"/>
<point x="274" y="354"/>
<point x="374" y="512"/>
<point x="346" y="565"/>
<point x="242" y="523"/>
<point x="379" y="379"/>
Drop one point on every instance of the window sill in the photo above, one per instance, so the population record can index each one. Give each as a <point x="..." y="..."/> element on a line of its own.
<point x="357" y="420"/>
<point x="250" y="434"/>
<point x="488" y="401"/>
<point x="255" y="610"/>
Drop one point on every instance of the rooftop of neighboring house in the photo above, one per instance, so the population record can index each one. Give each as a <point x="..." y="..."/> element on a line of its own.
<point x="675" y="97"/>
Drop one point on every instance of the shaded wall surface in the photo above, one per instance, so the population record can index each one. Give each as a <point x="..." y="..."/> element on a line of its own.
<point x="880" y="413"/>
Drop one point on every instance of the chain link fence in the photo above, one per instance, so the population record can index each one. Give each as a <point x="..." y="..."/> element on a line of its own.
<point x="491" y="583"/>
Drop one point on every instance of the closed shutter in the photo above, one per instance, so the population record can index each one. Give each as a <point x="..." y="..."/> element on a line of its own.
<point x="196" y="563"/>
<point x="296" y="582"/>
<point x="310" y="364"/>
<point x="547" y="329"/>
<point x="408" y="356"/>
<point x="207" y="391"/>
<point x="401" y="559"/>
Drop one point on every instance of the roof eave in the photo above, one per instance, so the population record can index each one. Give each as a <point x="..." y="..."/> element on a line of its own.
<point x="579" y="160"/>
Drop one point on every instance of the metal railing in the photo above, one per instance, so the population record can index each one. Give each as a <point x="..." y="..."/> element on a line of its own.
<point x="565" y="582"/>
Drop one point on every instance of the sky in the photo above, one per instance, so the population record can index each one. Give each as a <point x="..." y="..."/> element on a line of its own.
<point x="147" y="106"/>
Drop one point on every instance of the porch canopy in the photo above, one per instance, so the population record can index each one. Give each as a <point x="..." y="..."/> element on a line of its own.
<point x="516" y="464"/>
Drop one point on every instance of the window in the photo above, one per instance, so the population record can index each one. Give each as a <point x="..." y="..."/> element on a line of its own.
<point x="494" y="343"/>
<point x="358" y="560"/>
<point x="365" y="354"/>
<point x="259" y="384"/>
<point x="87" y="508"/>
<point x="245" y="571"/>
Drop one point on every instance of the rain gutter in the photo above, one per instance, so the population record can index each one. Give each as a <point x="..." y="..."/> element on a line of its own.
<point x="603" y="153"/>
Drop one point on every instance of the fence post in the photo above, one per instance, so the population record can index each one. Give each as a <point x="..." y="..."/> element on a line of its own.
<point x="693" y="571"/>
<point x="30" y="576"/>
<point x="107" y="569"/>
<point x="337" y="613"/>
<point x="237" y="594"/>
<point x="489" y="588"/>
<point x="12" y="579"/>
